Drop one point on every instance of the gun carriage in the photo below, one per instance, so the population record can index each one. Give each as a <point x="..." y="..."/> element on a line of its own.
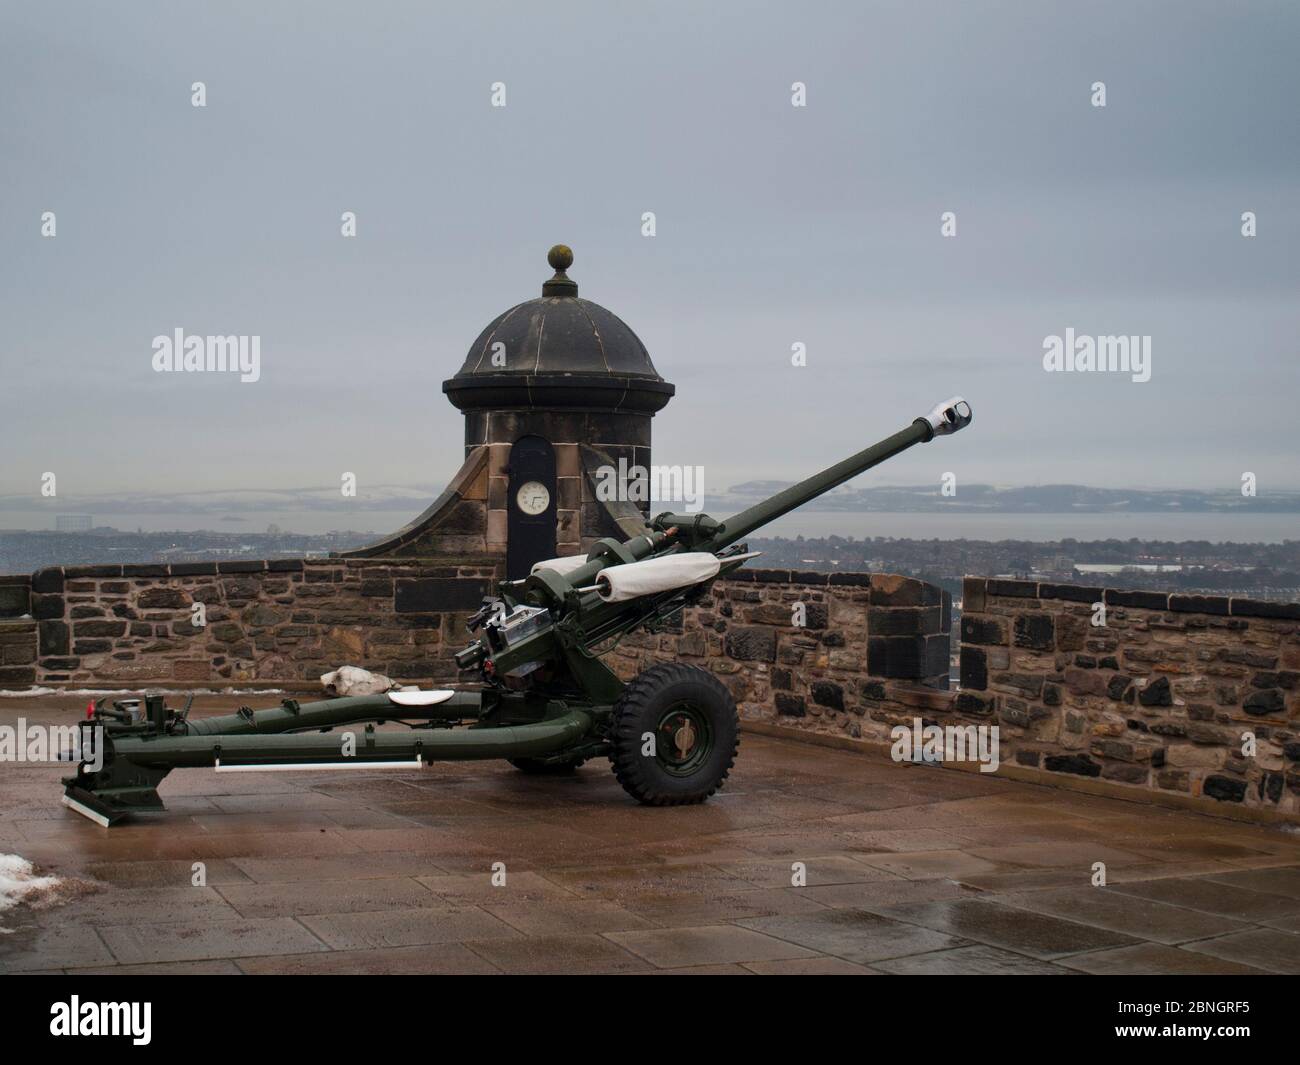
<point x="544" y="699"/>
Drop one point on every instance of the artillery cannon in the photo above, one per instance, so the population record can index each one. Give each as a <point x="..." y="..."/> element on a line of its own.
<point x="546" y="702"/>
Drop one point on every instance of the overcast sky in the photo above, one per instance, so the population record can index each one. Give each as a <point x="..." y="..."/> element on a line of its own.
<point x="775" y="225"/>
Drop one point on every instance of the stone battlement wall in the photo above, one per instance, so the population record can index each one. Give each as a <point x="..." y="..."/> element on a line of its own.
<point x="1156" y="691"/>
<point x="282" y="621"/>
<point x="806" y="667"/>
<point x="287" y="621"/>
<point x="1191" y="697"/>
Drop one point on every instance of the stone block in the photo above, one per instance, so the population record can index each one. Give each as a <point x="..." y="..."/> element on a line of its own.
<point x="48" y="580"/>
<point x="974" y="669"/>
<point x="827" y="693"/>
<point x="1268" y="701"/>
<point x="788" y="705"/>
<point x="1199" y="604"/>
<point x="433" y="595"/>
<point x="1074" y="593"/>
<point x="53" y="637"/>
<point x="889" y="589"/>
<point x="1012" y="589"/>
<point x="1078" y="764"/>
<point x="46" y="607"/>
<point x="1035" y="631"/>
<point x="99" y="628"/>
<point x="1224" y="789"/>
<point x="751" y="643"/>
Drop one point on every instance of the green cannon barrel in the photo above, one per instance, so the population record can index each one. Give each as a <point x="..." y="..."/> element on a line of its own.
<point x="948" y="417"/>
<point x="739" y="526"/>
<point x="675" y="533"/>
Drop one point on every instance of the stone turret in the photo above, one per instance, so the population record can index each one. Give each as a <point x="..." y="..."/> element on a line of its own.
<point x="552" y="390"/>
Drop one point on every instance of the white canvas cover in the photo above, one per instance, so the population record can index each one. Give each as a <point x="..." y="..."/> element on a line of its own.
<point x="566" y="564"/>
<point x="618" y="583"/>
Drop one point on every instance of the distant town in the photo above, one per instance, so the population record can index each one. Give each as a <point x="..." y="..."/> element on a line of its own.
<point x="1036" y="499"/>
<point x="1262" y="571"/>
<point x="24" y="551"/>
<point x="1256" y="571"/>
<point x="1259" y="570"/>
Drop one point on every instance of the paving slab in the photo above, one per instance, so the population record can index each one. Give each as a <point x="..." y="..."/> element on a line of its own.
<point x="1078" y="855"/>
<point x="558" y="917"/>
<point x="1284" y="880"/>
<point x="886" y="893"/>
<point x="355" y="866"/>
<point x="176" y="873"/>
<point x="854" y="935"/>
<point x="909" y="869"/>
<point x="190" y="941"/>
<point x="328" y="896"/>
<point x="907" y="839"/>
<point x="1132" y="914"/>
<point x="969" y="961"/>
<point x="1286" y="924"/>
<point x="1264" y="948"/>
<point x="56" y="946"/>
<point x="1211" y="896"/>
<point x="436" y="959"/>
<point x="625" y="883"/>
<point x="140" y="905"/>
<point x="808" y="967"/>
<point x="405" y="928"/>
<point x="929" y="865"/>
<point x="558" y="954"/>
<point x="707" y="945"/>
<point x="812" y="871"/>
<point x="1063" y="831"/>
<point x="1154" y="959"/>
<point x="1186" y="848"/>
<point x="1020" y="931"/>
<point x="478" y="888"/>
<point x="215" y="967"/>
<point x="674" y="910"/>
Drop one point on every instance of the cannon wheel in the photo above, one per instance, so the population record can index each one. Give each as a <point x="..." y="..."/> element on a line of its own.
<point x="692" y="719"/>
<point x="537" y="767"/>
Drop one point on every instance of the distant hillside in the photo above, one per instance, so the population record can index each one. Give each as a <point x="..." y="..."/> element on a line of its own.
<point x="1034" y="499"/>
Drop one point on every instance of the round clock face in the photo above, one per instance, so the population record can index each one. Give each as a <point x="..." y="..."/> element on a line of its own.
<point x="533" y="498"/>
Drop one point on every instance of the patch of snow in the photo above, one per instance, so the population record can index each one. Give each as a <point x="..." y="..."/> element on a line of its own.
<point x="19" y="882"/>
<point x="353" y="680"/>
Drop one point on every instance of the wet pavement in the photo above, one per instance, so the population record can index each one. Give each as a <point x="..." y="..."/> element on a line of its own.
<point x="810" y="861"/>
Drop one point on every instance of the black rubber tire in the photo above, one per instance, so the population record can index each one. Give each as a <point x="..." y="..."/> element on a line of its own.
<point x="536" y="767"/>
<point x="643" y="706"/>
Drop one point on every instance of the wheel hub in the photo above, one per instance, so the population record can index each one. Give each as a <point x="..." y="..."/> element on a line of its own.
<point x="684" y="739"/>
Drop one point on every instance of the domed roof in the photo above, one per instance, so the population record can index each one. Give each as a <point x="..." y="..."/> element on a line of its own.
<point x="558" y="352"/>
